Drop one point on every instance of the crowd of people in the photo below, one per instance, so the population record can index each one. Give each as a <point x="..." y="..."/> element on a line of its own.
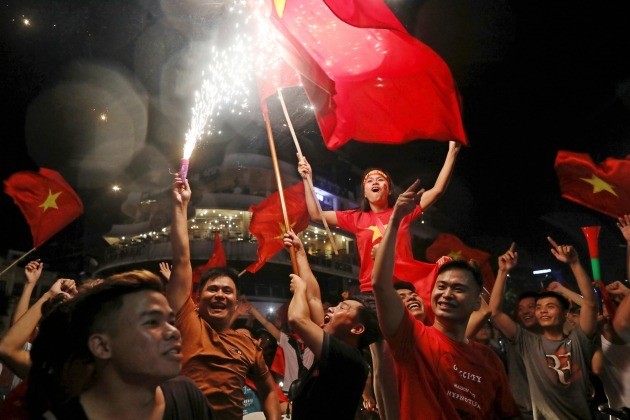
<point x="139" y="346"/>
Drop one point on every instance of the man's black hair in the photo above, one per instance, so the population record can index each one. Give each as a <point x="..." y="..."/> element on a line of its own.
<point x="464" y="266"/>
<point x="215" y="273"/>
<point x="367" y="317"/>
<point x="564" y="302"/>
<point x="404" y="285"/>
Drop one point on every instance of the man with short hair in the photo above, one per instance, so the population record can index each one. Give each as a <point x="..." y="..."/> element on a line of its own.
<point x="557" y="364"/>
<point x="333" y="386"/>
<point x="410" y="298"/>
<point x="216" y="357"/>
<point x="441" y="375"/>
<point x="125" y="325"/>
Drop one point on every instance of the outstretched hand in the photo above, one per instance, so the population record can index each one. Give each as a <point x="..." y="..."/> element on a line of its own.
<point x="165" y="269"/>
<point x="33" y="271"/>
<point x="509" y="260"/>
<point x="563" y="253"/>
<point x="624" y="225"/>
<point x="181" y="191"/>
<point x="304" y="168"/>
<point x="290" y="239"/>
<point x="407" y="201"/>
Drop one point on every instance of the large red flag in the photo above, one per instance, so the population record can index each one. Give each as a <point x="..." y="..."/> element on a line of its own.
<point x="603" y="187"/>
<point x="451" y="246"/>
<point x="367" y="77"/>
<point x="47" y="202"/>
<point x="217" y="259"/>
<point x="267" y="223"/>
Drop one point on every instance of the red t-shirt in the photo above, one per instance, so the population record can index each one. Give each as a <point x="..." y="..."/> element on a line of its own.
<point x="365" y="227"/>
<point x="446" y="379"/>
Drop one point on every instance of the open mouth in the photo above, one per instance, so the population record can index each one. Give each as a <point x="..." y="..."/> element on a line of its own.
<point x="174" y="352"/>
<point x="375" y="189"/>
<point x="445" y="305"/>
<point x="218" y="306"/>
<point x="327" y="318"/>
<point x="412" y="306"/>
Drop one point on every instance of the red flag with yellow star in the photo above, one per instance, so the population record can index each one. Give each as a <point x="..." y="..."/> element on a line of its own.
<point x="267" y="223"/>
<point x="47" y="202"/>
<point x="604" y="187"/>
<point x="451" y="246"/>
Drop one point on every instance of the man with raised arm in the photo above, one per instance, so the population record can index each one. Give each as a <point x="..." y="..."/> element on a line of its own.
<point x="441" y="375"/>
<point x="333" y="386"/>
<point x="216" y="357"/>
<point x="556" y="364"/>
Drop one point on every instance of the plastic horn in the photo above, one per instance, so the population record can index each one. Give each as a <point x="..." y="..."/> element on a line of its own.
<point x="183" y="169"/>
<point x="592" y="234"/>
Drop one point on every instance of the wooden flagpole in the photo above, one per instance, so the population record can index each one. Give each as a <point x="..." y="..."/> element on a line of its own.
<point x="17" y="261"/>
<point x="276" y="169"/>
<point x="309" y="179"/>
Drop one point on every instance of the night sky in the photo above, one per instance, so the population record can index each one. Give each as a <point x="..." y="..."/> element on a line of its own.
<point x="535" y="77"/>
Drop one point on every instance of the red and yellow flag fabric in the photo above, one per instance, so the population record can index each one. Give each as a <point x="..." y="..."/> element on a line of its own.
<point x="47" y="202"/>
<point x="366" y="76"/>
<point x="267" y="223"/>
<point x="451" y="246"/>
<point x="603" y="187"/>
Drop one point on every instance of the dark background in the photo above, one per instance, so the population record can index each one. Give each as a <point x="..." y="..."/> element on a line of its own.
<point x="535" y="77"/>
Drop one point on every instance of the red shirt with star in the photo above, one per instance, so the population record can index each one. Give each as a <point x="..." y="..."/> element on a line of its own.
<point x="365" y="227"/>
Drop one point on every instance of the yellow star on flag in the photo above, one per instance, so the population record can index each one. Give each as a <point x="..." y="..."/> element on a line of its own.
<point x="376" y="233"/>
<point x="600" y="185"/>
<point x="280" y="7"/>
<point x="51" y="200"/>
<point x="283" y="230"/>
<point x="456" y="255"/>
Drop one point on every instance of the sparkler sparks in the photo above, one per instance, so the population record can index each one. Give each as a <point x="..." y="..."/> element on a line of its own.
<point x="227" y="81"/>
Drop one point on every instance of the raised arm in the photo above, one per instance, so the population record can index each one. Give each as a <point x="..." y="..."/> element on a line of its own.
<point x="624" y="226"/>
<point x="300" y="317"/>
<point x="431" y="196"/>
<point x="554" y="286"/>
<point x="478" y="319"/>
<point x="501" y="320"/>
<point x="32" y="272"/>
<point x="12" y="350"/>
<point x="588" y="311"/>
<point x="251" y="309"/>
<point x="180" y="282"/>
<point x="304" y="168"/>
<point x="389" y="307"/>
<point x="313" y="293"/>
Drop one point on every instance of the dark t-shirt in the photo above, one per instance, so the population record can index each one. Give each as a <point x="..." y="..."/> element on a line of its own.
<point x="182" y="400"/>
<point x="333" y="386"/>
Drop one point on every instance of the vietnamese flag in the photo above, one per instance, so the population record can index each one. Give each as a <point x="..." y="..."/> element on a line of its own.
<point x="267" y="223"/>
<point x="217" y="259"/>
<point x="47" y="202"/>
<point x="604" y="187"/>
<point x="366" y="76"/>
<point x="451" y="246"/>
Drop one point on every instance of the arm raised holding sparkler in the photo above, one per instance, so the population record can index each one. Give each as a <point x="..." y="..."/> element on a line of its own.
<point x="180" y="282"/>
